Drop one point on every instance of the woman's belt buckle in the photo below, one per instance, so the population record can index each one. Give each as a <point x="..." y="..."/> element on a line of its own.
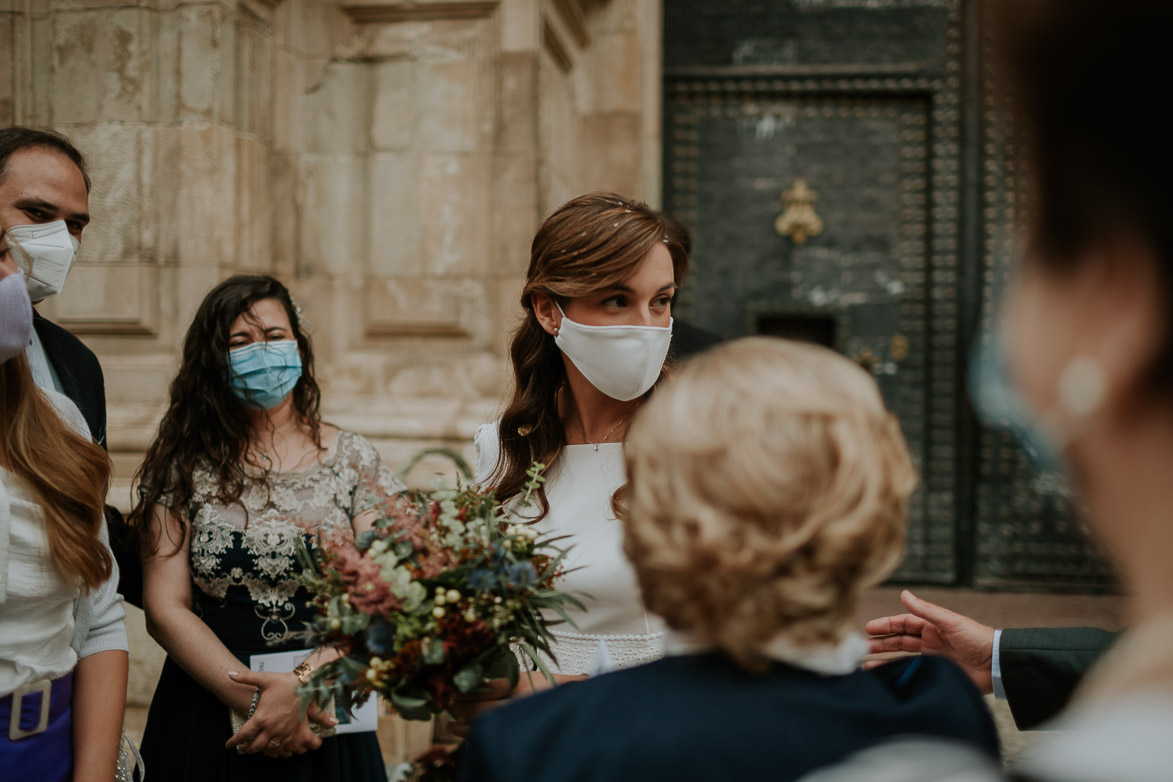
<point x="15" y="732"/>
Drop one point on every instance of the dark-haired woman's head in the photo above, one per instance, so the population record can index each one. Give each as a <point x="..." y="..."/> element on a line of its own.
<point x="1087" y="327"/>
<point x="241" y="312"/>
<point x="245" y="356"/>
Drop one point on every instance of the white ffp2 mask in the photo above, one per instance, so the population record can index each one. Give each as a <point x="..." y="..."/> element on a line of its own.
<point x="45" y="253"/>
<point x="621" y="361"/>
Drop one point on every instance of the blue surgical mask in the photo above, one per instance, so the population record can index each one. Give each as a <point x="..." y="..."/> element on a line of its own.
<point x="263" y="373"/>
<point x="1002" y="408"/>
<point x="1081" y="387"/>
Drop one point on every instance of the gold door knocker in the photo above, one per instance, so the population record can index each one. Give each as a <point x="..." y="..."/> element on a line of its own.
<point x="799" y="220"/>
<point x="898" y="347"/>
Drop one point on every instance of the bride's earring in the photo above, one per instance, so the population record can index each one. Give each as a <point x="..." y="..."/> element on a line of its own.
<point x="1082" y="386"/>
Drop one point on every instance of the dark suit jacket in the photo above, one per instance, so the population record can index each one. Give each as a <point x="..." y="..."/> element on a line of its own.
<point x="79" y="371"/>
<point x="700" y="717"/>
<point x="1041" y="667"/>
<point x="82" y="381"/>
<point x="688" y="340"/>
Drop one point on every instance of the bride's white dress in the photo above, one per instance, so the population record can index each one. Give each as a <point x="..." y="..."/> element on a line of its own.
<point x="616" y="631"/>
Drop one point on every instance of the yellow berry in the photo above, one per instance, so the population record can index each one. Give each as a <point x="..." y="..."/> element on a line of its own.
<point x="452" y="596"/>
<point x="438" y="612"/>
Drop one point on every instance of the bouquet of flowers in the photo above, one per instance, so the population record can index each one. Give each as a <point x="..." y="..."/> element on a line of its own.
<point x="433" y="601"/>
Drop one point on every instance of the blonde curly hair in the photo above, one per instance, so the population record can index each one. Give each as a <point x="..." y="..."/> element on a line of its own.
<point x="767" y="490"/>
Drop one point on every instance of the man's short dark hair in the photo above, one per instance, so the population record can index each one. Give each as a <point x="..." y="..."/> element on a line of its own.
<point x="14" y="139"/>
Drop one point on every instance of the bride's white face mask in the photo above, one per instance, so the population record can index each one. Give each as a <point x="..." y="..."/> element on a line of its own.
<point x="621" y="361"/>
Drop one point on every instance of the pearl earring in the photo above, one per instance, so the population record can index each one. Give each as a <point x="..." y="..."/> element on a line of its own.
<point x="1082" y="386"/>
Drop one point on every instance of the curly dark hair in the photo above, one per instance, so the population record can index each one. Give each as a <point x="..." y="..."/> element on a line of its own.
<point x="205" y="423"/>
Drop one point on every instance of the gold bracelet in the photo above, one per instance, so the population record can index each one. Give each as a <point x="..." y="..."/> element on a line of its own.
<point x="303" y="671"/>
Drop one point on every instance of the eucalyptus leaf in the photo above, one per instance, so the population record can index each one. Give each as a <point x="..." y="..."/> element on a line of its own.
<point x="433" y="650"/>
<point x="468" y="679"/>
<point x="418" y="713"/>
<point x="355" y="623"/>
<point x="533" y="655"/>
<point x="409" y="707"/>
<point x="503" y="665"/>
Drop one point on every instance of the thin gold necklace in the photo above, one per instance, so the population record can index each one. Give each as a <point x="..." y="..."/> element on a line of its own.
<point x="582" y="428"/>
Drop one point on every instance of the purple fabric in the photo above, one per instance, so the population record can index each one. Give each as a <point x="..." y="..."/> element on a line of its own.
<point x="16" y="317"/>
<point x="47" y="756"/>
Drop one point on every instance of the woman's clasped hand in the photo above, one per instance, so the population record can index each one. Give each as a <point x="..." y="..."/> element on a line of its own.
<point x="276" y="727"/>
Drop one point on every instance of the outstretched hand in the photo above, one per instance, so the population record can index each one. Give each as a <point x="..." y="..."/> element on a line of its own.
<point x="930" y="629"/>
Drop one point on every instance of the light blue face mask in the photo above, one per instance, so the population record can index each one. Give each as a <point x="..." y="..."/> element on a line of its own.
<point x="263" y="373"/>
<point x="1002" y="408"/>
<point x="1045" y="434"/>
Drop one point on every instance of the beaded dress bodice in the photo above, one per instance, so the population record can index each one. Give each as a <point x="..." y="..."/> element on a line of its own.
<point x="244" y="564"/>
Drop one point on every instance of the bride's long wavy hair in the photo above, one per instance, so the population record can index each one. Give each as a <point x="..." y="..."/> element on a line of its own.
<point x="205" y="424"/>
<point x="591" y="243"/>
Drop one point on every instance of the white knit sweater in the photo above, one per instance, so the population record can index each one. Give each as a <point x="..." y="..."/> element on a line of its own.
<point x="46" y="624"/>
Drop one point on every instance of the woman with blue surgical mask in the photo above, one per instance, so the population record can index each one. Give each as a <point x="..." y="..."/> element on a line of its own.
<point x="596" y="327"/>
<point x="241" y="473"/>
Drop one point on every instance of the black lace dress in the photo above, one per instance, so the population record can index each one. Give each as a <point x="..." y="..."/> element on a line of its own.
<point x="244" y="588"/>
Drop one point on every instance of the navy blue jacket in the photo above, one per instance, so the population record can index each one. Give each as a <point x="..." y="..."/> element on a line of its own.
<point x="701" y="717"/>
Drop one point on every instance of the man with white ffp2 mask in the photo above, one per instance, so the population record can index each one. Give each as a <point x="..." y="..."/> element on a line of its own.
<point x="45" y="254"/>
<point x="44" y="207"/>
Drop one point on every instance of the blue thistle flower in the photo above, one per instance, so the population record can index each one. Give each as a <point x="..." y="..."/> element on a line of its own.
<point x="380" y="637"/>
<point x="481" y="579"/>
<point x="365" y="539"/>
<point x="520" y="574"/>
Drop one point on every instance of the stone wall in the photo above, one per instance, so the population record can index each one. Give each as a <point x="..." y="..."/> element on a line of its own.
<point x="389" y="160"/>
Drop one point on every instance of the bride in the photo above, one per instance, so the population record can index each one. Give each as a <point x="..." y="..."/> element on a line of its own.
<point x="597" y="306"/>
